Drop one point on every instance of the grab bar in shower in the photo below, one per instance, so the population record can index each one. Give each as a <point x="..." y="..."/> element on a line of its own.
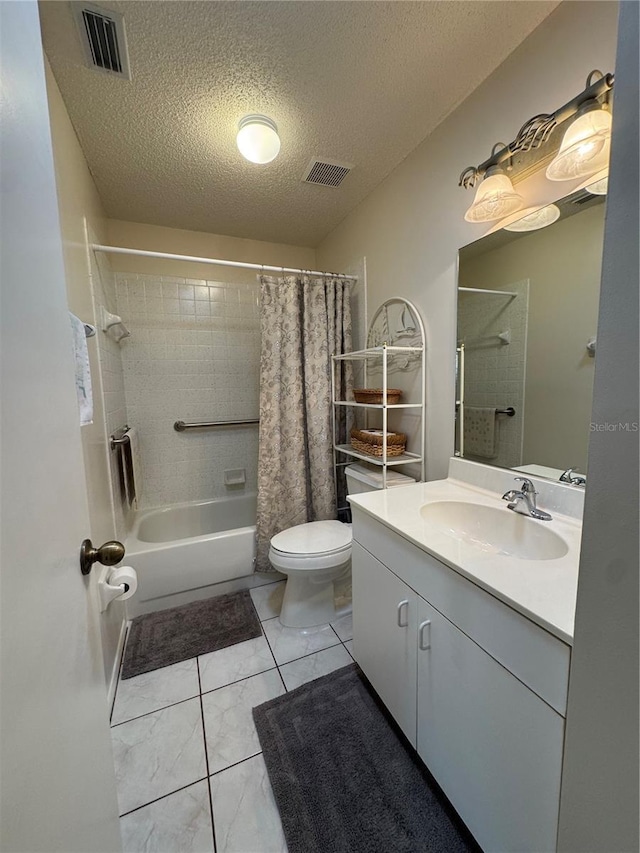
<point x="181" y="426"/>
<point x="509" y="411"/>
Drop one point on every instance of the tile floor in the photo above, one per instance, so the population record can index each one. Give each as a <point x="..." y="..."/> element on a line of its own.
<point x="189" y="769"/>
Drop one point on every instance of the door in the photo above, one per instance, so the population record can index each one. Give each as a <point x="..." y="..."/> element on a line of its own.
<point x="384" y="636"/>
<point x="57" y="780"/>
<point x="494" y="747"/>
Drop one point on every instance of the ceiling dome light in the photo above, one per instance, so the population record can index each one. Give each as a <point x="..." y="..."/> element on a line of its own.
<point x="536" y="219"/>
<point x="495" y="198"/>
<point x="584" y="149"/>
<point x="258" y="139"/>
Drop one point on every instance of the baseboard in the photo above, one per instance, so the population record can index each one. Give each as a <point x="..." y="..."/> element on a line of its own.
<point x="115" y="671"/>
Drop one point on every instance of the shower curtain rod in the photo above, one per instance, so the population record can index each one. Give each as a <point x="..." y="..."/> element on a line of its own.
<point x="119" y="250"/>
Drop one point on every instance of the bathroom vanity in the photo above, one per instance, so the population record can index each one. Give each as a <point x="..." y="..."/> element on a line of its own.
<point x="463" y="619"/>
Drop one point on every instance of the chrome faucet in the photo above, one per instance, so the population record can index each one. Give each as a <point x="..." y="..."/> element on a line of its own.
<point x="524" y="500"/>
<point x="574" y="479"/>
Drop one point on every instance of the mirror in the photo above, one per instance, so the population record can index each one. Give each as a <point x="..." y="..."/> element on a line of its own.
<point x="527" y="318"/>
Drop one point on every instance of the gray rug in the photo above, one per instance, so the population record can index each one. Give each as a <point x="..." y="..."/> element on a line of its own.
<point x="160" y="639"/>
<point x="344" y="781"/>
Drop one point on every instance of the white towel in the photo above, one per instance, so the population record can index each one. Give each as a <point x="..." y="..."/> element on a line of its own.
<point x="83" y="370"/>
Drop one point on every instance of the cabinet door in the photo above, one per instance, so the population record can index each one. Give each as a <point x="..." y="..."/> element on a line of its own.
<point x="384" y="636"/>
<point x="493" y="745"/>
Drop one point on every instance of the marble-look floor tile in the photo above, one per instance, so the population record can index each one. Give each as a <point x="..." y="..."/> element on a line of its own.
<point x="154" y="690"/>
<point x="349" y="647"/>
<point x="229" y="730"/>
<point x="245" y="814"/>
<point x="268" y="599"/>
<point x="344" y="627"/>
<point x="321" y="663"/>
<point x="235" y="662"/>
<point x="181" y="821"/>
<point x="287" y="644"/>
<point x="158" y="754"/>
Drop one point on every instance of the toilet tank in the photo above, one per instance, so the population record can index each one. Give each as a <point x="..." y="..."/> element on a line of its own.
<point x="368" y="478"/>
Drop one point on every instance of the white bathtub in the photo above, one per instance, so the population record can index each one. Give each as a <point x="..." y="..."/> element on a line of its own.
<point x="185" y="547"/>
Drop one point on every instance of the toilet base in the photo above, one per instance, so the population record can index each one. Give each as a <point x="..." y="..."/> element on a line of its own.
<point x="309" y="603"/>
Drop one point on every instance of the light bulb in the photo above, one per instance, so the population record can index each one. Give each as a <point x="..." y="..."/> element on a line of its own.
<point x="258" y="139"/>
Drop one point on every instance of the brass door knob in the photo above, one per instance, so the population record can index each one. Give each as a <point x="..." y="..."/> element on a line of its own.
<point x="108" y="554"/>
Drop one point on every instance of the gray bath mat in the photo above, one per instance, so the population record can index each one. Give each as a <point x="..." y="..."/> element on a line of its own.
<point x="160" y="639"/>
<point x="343" y="779"/>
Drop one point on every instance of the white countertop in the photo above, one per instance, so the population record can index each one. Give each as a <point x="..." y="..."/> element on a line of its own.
<point x="542" y="590"/>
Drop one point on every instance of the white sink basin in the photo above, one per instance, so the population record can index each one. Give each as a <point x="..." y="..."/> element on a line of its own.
<point x="494" y="530"/>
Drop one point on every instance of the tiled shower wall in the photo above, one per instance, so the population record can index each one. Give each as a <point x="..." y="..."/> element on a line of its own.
<point x="111" y="374"/>
<point x="494" y="371"/>
<point x="193" y="355"/>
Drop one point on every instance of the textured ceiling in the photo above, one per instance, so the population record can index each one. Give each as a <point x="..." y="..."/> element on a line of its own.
<point x="360" y="82"/>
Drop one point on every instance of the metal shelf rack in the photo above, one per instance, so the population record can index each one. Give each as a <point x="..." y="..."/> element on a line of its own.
<point x="383" y="353"/>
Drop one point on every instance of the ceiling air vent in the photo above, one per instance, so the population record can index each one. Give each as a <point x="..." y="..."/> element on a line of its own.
<point x="103" y="38"/>
<point x="327" y="173"/>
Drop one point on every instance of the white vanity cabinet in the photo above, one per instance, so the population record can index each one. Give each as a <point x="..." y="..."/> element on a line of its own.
<point x="477" y="688"/>
<point x="385" y="623"/>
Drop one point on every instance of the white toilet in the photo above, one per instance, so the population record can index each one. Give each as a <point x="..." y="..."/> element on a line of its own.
<point x="316" y="554"/>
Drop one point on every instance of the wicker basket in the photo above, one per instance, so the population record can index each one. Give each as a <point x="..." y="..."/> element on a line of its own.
<point x="371" y="442"/>
<point x="374" y="395"/>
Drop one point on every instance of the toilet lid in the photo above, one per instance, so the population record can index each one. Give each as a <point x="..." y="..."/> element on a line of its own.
<point x="315" y="537"/>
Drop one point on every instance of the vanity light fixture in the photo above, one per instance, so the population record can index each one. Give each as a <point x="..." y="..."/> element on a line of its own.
<point x="535" y="218"/>
<point x="583" y="152"/>
<point x="258" y="139"/>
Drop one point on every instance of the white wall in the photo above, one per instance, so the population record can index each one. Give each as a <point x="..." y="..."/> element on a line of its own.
<point x="200" y="244"/>
<point x="90" y="284"/>
<point x="411" y="227"/>
<point x="599" y="800"/>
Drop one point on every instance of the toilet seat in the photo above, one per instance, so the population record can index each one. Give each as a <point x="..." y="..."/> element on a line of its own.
<point x="314" y="545"/>
<point x="314" y="537"/>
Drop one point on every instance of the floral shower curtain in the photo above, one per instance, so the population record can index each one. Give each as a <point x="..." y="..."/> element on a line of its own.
<point x="304" y="321"/>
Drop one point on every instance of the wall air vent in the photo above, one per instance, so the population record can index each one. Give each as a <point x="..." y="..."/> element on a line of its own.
<point x="103" y="38"/>
<point x="327" y="173"/>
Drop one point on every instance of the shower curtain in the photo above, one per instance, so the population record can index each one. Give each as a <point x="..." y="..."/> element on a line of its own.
<point x="304" y="321"/>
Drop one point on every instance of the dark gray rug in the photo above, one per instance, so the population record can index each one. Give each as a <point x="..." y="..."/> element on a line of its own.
<point x="160" y="639"/>
<point x="344" y="781"/>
